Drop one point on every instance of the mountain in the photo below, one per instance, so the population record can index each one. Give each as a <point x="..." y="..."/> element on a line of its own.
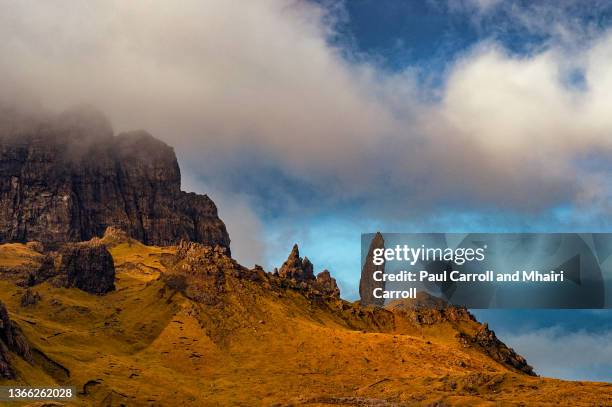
<point x="188" y="325"/>
<point x="134" y="299"/>
<point x="68" y="178"/>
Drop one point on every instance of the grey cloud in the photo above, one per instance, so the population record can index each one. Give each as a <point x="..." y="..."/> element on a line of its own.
<point x="555" y="352"/>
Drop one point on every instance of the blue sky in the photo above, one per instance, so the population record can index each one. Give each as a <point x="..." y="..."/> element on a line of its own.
<point x="315" y="121"/>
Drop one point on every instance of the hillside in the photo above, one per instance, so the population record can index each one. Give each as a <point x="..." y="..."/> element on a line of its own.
<point x="187" y="325"/>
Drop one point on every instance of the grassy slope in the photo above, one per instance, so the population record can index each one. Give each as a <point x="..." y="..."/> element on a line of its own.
<point x="147" y="345"/>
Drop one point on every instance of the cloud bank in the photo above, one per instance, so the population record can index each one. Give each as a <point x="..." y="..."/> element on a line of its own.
<point x="264" y="109"/>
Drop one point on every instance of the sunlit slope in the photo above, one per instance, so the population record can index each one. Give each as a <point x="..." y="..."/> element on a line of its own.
<point x="251" y="339"/>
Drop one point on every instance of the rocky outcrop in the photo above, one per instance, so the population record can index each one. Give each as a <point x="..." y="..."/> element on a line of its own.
<point x="367" y="285"/>
<point x="200" y="272"/>
<point x="88" y="267"/>
<point x="11" y="340"/>
<point x="429" y="310"/>
<point x="67" y="179"/>
<point x="297" y="268"/>
<point x="496" y="349"/>
<point x="113" y="237"/>
<point x="327" y="284"/>
<point x="195" y="258"/>
<point x="298" y="273"/>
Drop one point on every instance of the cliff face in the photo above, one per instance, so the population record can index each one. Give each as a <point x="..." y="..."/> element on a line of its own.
<point x="67" y="179"/>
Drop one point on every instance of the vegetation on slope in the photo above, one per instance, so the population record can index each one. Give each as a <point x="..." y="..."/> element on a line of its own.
<point x="187" y="325"/>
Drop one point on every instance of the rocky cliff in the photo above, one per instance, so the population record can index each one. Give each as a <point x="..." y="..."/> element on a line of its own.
<point x="68" y="178"/>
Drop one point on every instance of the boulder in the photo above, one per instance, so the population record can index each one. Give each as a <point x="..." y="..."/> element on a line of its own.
<point x="87" y="266"/>
<point x="30" y="297"/>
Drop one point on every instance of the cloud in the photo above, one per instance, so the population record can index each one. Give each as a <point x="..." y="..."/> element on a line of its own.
<point x="481" y="7"/>
<point x="243" y="225"/>
<point x="586" y="355"/>
<point x="262" y="106"/>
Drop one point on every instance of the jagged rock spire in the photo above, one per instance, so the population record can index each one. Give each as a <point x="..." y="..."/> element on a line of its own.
<point x="302" y="271"/>
<point x="297" y="268"/>
<point x="367" y="283"/>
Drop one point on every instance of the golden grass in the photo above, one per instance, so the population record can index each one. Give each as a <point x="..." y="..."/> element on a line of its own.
<point x="17" y="254"/>
<point x="146" y="345"/>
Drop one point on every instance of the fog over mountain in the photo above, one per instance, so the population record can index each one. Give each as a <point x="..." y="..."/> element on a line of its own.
<point x="266" y="88"/>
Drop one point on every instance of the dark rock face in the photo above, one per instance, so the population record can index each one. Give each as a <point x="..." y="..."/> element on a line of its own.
<point x="297" y="268"/>
<point x="67" y="179"/>
<point x="11" y="340"/>
<point x="497" y="350"/>
<point x="367" y="283"/>
<point x="88" y="267"/>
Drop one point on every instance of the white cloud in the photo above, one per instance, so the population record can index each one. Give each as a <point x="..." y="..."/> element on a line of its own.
<point x="480" y="6"/>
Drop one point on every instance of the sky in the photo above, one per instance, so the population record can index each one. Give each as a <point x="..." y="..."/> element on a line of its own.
<point x="316" y="121"/>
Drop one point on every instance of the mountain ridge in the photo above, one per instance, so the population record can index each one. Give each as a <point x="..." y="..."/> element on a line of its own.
<point x="189" y="325"/>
